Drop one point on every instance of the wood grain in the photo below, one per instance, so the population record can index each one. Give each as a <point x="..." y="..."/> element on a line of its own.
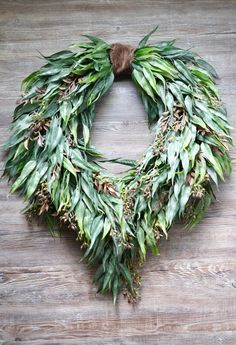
<point x="189" y="291"/>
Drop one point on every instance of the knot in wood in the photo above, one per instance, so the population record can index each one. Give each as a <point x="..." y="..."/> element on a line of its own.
<point x="121" y="56"/>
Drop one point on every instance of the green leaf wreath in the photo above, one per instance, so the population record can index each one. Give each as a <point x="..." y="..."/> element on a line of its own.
<point x="59" y="172"/>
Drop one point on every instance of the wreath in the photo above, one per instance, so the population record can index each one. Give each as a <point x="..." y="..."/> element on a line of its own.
<point x="59" y="173"/>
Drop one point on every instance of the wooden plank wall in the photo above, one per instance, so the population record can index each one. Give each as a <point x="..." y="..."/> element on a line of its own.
<point x="189" y="291"/>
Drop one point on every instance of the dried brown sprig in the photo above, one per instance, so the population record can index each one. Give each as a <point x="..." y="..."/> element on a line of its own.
<point x="44" y="198"/>
<point x="37" y="130"/>
<point x="103" y="184"/>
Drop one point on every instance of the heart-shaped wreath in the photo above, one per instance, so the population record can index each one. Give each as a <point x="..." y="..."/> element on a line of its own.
<point x="58" y="171"/>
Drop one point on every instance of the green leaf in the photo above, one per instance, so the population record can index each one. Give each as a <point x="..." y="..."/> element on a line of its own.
<point x="97" y="227"/>
<point x="200" y="209"/>
<point x="142" y="81"/>
<point x="173" y="53"/>
<point x="185" y="161"/>
<point x="24" y="109"/>
<point x="115" y="289"/>
<point x="173" y="152"/>
<point x="184" y="197"/>
<point x="78" y="160"/>
<point x="185" y="89"/>
<point x="50" y="110"/>
<point x="143" y="42"/>
<point x="171" y="209"/>
<point x="193" y="151"/>
<point x="29" y="78"/>
<point x="202" y="171"/>
<point x="213" y="175"/>
<point x="62" y="74"/>
<point x="163" y="68"/>
<point x="189" y="135"/>
<point x="86" y="134"/>
<point x="140" y="204"/>
<point x="201" y="74"/>
<point x="126" y="274"/>
<point x="198" y="121"/>
<point x="170" y="102"/>
<point x="65" y="111"/>
<point x="69" y="166"/>
<point x="54" y="135"/>
<point x="108" y="275"/>
<point x="151" y="242"/>
<point x="178" y="185"/>
<point x="75" y="198"/>
<point x="149" y="76"/>
<point x="63" y="54"/>
<point x="189" y="105"/>
<point x="176" y="92"/>
<point x="49" y="71"/>
<point x="128" y="162"/>
<point x="95" y="76"/>
<point x="161" y="91"/>
<point x="206" y="66"/>
<point x="158" y="181"/>
<point x="207" y="153"/>
<point x="141" y="240"/>
<point x="79" y="213"/>
<point x="35" y="179"/>
<point x="20" y="149"/>
<point x="95" y="39"/>
<point x="26" y="171"/>
<point x="162" y="222"/>
<point x="182" y="68"/>
<point x="77" y="101"/>
<point x="106" y="228"/>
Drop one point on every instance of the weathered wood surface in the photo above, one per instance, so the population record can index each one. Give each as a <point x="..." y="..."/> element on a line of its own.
<point x="189" y="291"/>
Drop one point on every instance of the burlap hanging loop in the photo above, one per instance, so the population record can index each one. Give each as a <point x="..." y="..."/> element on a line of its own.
<point x="121" y="56"/>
